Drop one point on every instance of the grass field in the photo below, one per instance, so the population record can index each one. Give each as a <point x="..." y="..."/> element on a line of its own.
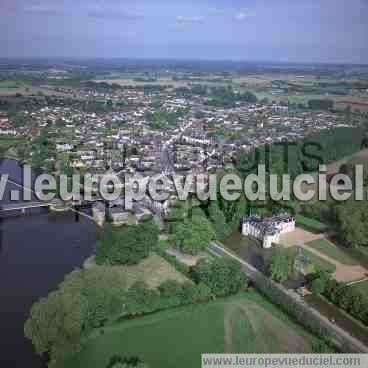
<point x="246" y="323"/>
<point x="11" y="88"/>
<point x="332" y="251"/>
<point x="362" y="287"/>
<point x="318" y="262"/>
<point x="310" y="224"/>
<point x="153" y="270"/>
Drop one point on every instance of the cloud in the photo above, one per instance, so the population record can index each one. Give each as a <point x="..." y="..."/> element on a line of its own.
<point x="113" y="14"/>
<point x="244" y="15"/>
<point x="187" y="20"/>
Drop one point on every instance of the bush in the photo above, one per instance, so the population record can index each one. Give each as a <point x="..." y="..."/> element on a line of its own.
<point x="127" y="246"/>
<point x="319" y="284"/>
<point x="223" y="276"/>
<point x="345" y="297"/>
<point x="192" y="236"/>
<point x="141" y="300"/>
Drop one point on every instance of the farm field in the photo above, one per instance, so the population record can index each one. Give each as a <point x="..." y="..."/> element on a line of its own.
<point x="332" y="251"/>
<point x="292" y="98"/>
<point x="356" y="103"/>
<point x="11" y="88"/>
<point x="246" y="323"/>
<point x="161" y="82"/>
<point x="263" y="80"/>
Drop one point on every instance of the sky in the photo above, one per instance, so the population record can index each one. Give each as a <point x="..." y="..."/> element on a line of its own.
<point x="249" y="30"/>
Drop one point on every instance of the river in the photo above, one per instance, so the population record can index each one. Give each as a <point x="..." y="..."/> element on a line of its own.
<point x="36" y="251"/>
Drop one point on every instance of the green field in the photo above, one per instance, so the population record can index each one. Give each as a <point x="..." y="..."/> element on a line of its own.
<point x="153" y="271"/>
<point x="332" y="251"/>
<point x="310" y="224"/>
<point x="318" y="263"/>
<point x="362" y="287"/>
<point x="10" y="85"/>
<point x="293" y="98"/>
<point x="246" y="323"/>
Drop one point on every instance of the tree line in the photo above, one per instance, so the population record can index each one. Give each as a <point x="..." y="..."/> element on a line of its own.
<point x="346" y="297"/>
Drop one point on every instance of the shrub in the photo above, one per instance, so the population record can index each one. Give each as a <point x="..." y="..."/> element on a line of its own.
<point x="223" y="276"/>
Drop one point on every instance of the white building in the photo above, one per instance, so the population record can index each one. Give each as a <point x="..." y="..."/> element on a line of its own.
<point x="268" y="229"/>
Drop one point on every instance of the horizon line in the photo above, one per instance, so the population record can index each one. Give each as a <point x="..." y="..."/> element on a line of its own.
<point x="174" y="59"/>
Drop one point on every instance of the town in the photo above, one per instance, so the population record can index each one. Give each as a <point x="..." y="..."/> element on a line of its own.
<point x="152" y="130"/>
<point x="105" y="280"/>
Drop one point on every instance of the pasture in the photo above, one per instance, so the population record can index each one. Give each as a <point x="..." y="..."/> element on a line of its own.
<point x="245" y="323"/>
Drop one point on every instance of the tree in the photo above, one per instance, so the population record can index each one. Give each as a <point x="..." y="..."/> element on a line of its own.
<point x="56" y="324"/>
<point x="140" y="299"/>
<point x="223" y="276"/>
<point x="281" y="266"/>
<point x="105" y="244"/>
<point x="352" y="219"/>
<point x="320" y="283"/>
<point x="172" y="292"/>
<point x="86" y="299"/>
<point x="103" y="287"/>
<point x="218" y="220"/>
<point x="127" y="246"/>
<point x="193" y="235"/>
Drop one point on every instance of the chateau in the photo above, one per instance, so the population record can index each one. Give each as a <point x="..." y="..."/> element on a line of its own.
<point x="268" y="229"/>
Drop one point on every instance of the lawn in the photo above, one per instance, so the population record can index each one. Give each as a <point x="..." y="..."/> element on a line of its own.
<point x="310" y="224"/>
<point x="318" y="262"/>
<point x="245" y="323"/>
<point x="153" y="270"/>
<point x="362" y="287"/>
<point x="332" y="251"/>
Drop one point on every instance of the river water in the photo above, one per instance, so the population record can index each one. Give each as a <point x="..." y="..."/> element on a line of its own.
<point x="36" y="251"/>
